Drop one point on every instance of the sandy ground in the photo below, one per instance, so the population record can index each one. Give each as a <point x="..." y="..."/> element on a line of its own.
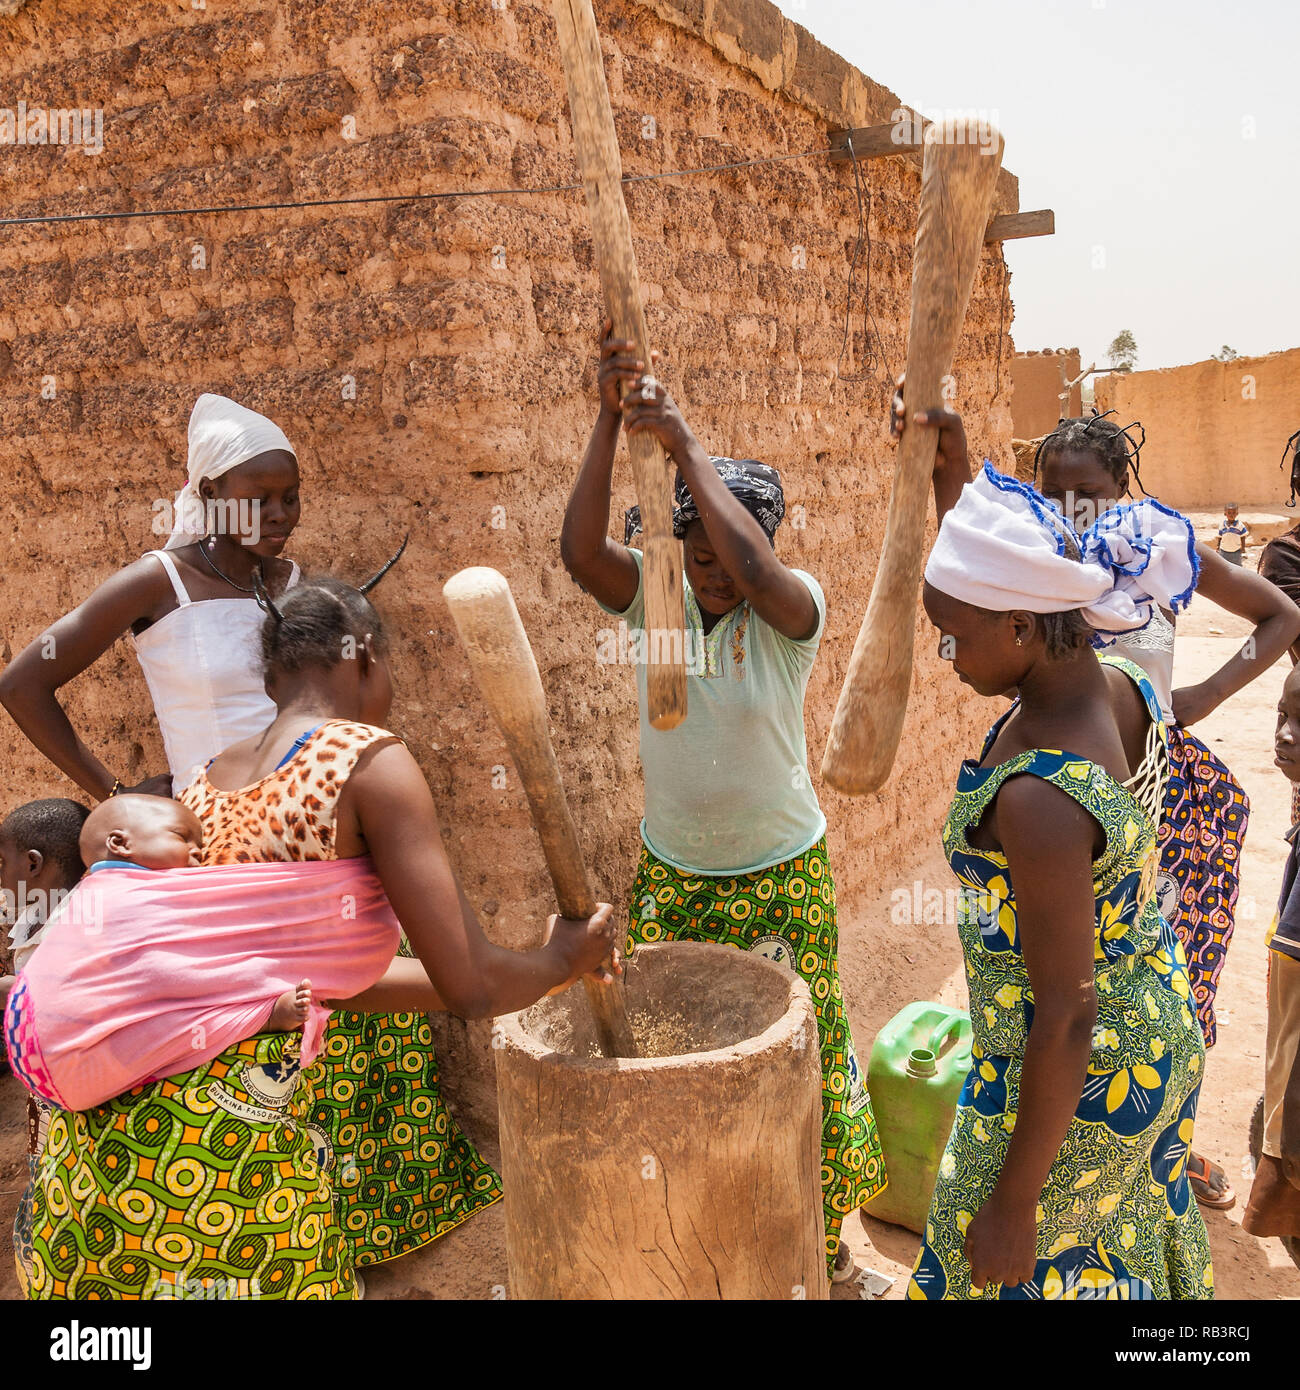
<point x="882" y="971"/>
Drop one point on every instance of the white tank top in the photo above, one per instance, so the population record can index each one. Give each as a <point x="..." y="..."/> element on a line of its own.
<point x="202" y="664"/>
<point x="1152" y="648"/>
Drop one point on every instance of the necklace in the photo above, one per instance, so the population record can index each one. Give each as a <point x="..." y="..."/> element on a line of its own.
<point x="221" y="574"/>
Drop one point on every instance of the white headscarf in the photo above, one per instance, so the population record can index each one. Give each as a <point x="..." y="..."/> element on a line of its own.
<point x="223" y="434"/>
<point x="1003" y="547"/>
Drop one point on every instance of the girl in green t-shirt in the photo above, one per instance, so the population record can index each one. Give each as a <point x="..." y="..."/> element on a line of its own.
<point x="734" y="848"/>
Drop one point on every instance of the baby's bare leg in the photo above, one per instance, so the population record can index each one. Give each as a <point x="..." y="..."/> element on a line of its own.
<point x="291" y="1009"/>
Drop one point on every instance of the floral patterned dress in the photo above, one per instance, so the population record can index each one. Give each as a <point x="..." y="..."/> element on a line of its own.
<point x="1116" y="1217"/>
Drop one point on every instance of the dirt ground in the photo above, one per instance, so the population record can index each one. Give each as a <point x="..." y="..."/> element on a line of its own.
<point x="882" y="972"/>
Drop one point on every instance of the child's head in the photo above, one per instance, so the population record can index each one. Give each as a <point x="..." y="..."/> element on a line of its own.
<point x="38" y="846"/>
<point x="1286" y="737"/>
<point x="1230" y="511"/>
<point x="1087" y="466"/>
<point x="154" y="832"/>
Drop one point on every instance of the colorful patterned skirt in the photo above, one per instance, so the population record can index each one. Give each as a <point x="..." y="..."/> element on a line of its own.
<point x="403" y="1172"/>
<point x="207" y="1185"/>
<point x="786" y="913"/>
<point x="1201" y="834"/>
<point x="1116" y="1218"/>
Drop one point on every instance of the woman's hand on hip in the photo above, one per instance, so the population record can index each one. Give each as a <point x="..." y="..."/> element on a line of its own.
<point x="1191" y="703"/>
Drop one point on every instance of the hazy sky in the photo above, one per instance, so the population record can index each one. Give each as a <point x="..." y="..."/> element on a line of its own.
<point x="1164" y="133"/>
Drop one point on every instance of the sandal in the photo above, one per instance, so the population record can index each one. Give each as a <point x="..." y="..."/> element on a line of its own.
<point x="1210" y="1184"/>
<point x="844" y="1265"/>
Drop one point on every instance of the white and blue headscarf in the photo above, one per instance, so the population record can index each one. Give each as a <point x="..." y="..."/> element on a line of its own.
<point x="1004" y="546"/>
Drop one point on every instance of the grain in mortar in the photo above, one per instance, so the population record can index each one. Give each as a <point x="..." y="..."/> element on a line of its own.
<point x="656" y="1035"/>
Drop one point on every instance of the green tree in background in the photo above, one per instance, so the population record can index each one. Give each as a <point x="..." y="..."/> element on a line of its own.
<point x="1225" y="354"/>
<point x="1123" y="350"/>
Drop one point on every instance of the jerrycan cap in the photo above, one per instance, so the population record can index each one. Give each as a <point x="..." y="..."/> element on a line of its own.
<point x="921" y="1062"/>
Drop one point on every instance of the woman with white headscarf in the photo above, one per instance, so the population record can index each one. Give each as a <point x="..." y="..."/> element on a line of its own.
<point x="1065" y="1175"/>
<point x="190" y="608"/>
<point x="403" y="1172"/>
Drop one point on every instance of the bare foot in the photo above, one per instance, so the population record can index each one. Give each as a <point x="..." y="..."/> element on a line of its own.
<point x="291" y="1009"/>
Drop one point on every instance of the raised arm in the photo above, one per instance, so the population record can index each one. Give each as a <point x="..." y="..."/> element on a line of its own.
<point x="1277" y="626"/>
<point x="29" y="685"/>
<point x="606" y="569"/>
<point x="777" y="595"/>
<point x="951" y="460"/>
<point x="393" y="810"/>
<point x="1048" y="839"/>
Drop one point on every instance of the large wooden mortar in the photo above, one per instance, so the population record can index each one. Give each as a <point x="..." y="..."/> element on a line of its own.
<point x="696" y="1175"/>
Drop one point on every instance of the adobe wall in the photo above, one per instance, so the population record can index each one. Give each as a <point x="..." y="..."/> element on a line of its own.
<point x="1038" y="379"/>
<point x="434" y="363"/>
<point x="1215" y="430"/>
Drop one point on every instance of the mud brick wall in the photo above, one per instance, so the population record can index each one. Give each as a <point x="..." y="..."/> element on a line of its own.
<point x="1215" y="430"/>
<point x="1038" y="378"/>
<point x="434" y="362"/>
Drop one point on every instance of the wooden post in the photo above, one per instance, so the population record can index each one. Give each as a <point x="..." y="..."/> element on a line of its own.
<point x="1010" y="225"/>
<point x="506" y="670"/>
<point x="596" y="146"/>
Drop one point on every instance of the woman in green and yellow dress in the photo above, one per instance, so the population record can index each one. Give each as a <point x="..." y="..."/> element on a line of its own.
<point x="216" y="1182"/>
<point x="1065" y="1175"/>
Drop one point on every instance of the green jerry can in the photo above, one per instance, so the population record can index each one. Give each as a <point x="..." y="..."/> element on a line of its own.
<point x="917" y="1067"/>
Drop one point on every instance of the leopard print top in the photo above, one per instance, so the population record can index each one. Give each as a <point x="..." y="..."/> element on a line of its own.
<point x="288" y="814"/>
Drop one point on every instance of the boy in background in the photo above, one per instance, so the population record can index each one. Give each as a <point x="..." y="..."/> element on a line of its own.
<point x="1231" y="540"/>
<point x="40" y="863"/>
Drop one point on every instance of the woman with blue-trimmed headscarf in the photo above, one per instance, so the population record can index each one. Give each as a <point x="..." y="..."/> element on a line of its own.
<point x="1087" y="466"/>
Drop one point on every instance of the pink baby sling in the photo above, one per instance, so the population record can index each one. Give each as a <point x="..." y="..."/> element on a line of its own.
<point x="145" y="974"/>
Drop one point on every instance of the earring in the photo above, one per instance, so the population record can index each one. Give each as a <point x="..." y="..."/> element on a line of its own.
<point x="1019" y="643"/>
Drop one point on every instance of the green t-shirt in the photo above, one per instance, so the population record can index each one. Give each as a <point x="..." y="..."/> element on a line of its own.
<point x="727" y="791"/>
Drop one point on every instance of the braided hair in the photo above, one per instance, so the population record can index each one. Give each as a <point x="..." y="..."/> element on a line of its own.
<point x="321" y="622"/>
<point x="317" y="624"/>
<point x="1116" y="449"/>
